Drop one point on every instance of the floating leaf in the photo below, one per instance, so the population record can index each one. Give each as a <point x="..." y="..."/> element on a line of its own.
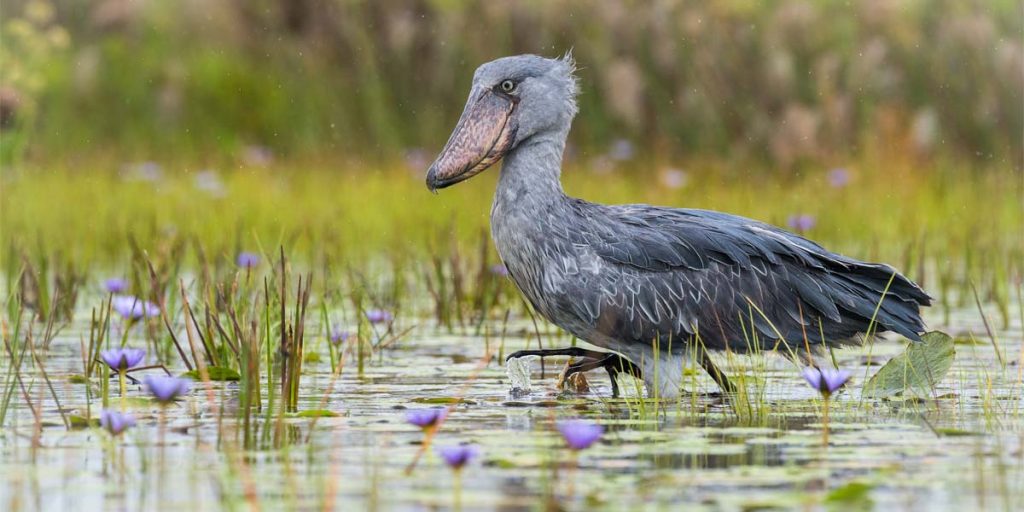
<point x="134" y="402"/>
<point x="216" y="373"/>
<point x="78" y="379"/>
<point x="442" y="400"/>
<point x="956" y="432"/>
<point x="916" y="371"/>
<point x="316" y="413"/>
<point x="81" y="422"/>
<point x="852" y="496"/>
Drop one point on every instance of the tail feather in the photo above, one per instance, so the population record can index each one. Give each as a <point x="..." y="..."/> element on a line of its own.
<point x="882" y="293"/>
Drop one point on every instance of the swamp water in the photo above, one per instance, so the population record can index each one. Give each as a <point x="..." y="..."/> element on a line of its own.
<point x="959" y="449"/>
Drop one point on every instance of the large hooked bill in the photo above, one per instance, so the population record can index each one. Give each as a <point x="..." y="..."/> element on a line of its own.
<point x="484" y="134"/>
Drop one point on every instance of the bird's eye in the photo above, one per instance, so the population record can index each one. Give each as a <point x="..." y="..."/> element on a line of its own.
<point x="508" y="86"/>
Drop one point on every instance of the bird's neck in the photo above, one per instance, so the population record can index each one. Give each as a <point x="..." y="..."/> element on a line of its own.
<point x="531" y="173"/>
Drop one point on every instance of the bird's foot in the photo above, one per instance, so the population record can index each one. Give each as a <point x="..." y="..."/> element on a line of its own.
<point x="612" y="363"/>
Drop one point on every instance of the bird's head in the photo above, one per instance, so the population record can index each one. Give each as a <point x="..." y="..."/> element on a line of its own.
<point x="512" y="99"/>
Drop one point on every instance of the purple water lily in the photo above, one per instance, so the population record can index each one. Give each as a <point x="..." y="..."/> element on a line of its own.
<point x="115" y="285"/>
<point x="121" y="359"/>
<point x="580" y="434"/>
<point x="339" y="336"/>
<point x="116" y="422"/>
<point x="379" y="316"/>
<point x="248" y="259"/>
<point x="166" y="389"/>
<point x="134" y="308"/>
<point x="839" y="177"/>
<point x="801" y="222"/>
<point x="426" y="418"/>
<point x="826" y="380"/>
<point x="457" y="456"/>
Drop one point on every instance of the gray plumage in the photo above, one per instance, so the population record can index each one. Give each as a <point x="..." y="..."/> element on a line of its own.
<point x="623" y="276"/>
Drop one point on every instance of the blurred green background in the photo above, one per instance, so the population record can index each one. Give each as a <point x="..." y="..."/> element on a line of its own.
<point x="784" y="83"/>
<point x="195" y="129"/>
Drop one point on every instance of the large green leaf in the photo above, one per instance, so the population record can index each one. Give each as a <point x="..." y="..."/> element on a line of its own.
<point x="916" y="371"/>
<point x="216" y="373"/>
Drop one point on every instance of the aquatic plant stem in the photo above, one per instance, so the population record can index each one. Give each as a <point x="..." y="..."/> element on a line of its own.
<point x="824" y="422"/>
<point x="457" y="489"/>
<point x="574" y="463"/>
<point x="162" y="433"/>
<point x="122" y="382"/>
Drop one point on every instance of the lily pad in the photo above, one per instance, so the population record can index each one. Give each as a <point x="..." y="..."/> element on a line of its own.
<point x="852" y="496"/>
<point x="956" y="432"/>
<point x="81" y="422"/>
<point x="216" y="373"/>
<point x="916" y="371"/>
<point x="316" y="413"/>
<point x="442" y="400"/>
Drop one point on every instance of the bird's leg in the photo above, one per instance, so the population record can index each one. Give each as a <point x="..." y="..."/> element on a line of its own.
<point x="592" y="359"/>
<point x="612" y="363"/>
<point x="715" y="373"/>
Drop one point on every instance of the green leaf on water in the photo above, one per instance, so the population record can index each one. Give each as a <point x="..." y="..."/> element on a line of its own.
<point x="80" y="421"/>
<point x="502" y="464"/>
<point x="442" y="400"/>
<point x="852" y="496"/>
<point x="316" y="413"/>
<point x="78" y="379"/>
<point x="956" y="432"/>
<point x="216" y="373"/>
<point x="916" y="371"/>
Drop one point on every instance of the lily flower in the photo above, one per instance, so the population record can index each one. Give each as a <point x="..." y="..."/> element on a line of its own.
<point x="116" y="422"/>
<point x="339" y="336"/>
<point x="426" y="418"/>
<point x="166" y="389"/>
<point x="379" y="316"/>
<point x="580" y="434"/>
<point x="115" y="285"/>
<point x="134" y="308"/>
<point x="121" y="359"/>
<point x="457" y="456"/>
<point x="247" y="260"/>
<point x="826" y="380"/>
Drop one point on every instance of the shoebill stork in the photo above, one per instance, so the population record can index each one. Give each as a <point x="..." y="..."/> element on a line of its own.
<point x="651" y="285"/>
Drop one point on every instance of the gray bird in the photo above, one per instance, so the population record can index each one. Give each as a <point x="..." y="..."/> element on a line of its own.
<point x="653" y="285"/>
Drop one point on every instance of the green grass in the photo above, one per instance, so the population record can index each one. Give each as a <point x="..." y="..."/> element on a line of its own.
<point x="962" y="220"/>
